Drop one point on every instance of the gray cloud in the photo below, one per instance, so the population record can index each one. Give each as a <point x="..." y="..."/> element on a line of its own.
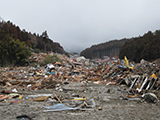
<point x="77" y="24"/>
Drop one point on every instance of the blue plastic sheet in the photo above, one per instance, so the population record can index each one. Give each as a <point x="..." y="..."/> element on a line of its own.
<point x="59" y="107"/>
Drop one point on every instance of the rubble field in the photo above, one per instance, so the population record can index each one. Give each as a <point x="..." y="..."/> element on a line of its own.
<point x="109" y="106"/>
<point x="77" y="88"/>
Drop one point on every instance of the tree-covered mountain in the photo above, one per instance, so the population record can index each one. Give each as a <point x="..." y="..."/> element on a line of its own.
<point x="143" y="47"/>
<point x="15" y="44"/>
<point x="110" y="48"/>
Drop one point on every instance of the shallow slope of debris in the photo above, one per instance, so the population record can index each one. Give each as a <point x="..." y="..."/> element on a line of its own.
<point x="77" y="87"/>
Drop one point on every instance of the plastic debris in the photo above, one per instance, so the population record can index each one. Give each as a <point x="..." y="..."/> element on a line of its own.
<point x="59" y="107"/>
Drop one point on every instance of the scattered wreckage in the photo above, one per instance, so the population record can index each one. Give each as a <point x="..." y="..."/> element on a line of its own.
<point x="141" y="79"/>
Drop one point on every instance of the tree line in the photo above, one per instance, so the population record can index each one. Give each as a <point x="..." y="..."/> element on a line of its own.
<point x="16" y="44"/>
<point x="143" y="47"/>
<point x="110" y="48"/>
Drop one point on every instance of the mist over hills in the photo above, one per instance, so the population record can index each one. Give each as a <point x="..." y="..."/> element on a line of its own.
<point x="110" y="49"/>
<point x="135" y="48"/>
<point x="143" y="47"/>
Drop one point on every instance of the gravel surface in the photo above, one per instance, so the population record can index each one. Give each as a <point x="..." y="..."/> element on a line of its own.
<point x="109" y="105"/>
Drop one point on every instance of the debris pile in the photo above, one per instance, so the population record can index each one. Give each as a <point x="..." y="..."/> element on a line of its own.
<point x="16" y="83"/>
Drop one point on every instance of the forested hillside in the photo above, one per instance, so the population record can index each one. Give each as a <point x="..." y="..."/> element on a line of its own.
<point x="110" y="48"/>
<point x="16" y="44"/>
<point x="144" y="47"/>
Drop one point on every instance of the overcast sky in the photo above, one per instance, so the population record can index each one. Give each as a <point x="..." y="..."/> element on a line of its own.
<point x="78" y="24"/>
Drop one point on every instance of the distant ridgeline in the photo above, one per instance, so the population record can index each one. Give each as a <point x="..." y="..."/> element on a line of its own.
<point x="13" y="41"/>
<point x="110" y="48"/>
<point x="143" y="47"/>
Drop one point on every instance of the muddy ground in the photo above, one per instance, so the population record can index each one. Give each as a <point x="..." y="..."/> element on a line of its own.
<point x="109" y="99"/>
